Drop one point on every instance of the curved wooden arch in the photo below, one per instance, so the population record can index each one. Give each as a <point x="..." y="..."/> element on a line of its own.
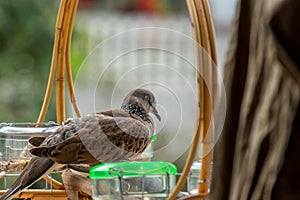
<point x="204" y="36"/>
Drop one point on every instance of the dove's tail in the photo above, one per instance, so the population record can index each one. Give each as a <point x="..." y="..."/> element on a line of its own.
<point x="36" y="168"/>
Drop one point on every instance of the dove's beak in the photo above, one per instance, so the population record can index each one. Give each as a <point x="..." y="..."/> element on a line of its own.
<point x="155" y="112"/>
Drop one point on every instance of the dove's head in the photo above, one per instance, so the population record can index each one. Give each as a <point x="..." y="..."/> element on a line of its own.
<point x="144" y="99"/>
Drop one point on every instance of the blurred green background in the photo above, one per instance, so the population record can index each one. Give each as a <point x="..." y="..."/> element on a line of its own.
<point x="26" y="40"/>
<point x="26" y="35"/>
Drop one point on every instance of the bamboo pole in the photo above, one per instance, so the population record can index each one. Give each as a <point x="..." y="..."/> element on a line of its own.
<point x="64" y="61"/>
<point x="68" y="63"/>
<point x="215" y="81"/>
<point x="203" y="35"/>
<point x="194" y="145"/>
<point x="60" y="61"/>
<point x="211" y="31"/>
<point x="206" y="135"/>
<point x="53" y="66"/>
<point x="60" y="80"/>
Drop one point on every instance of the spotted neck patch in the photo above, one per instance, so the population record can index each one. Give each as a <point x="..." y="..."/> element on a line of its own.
<point x="136" y="110"/>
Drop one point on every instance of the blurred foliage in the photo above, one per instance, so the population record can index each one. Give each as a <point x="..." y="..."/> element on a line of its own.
<point x="26" y="41"/>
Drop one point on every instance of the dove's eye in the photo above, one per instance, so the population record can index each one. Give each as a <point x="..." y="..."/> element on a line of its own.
<point x="148" y="99"/>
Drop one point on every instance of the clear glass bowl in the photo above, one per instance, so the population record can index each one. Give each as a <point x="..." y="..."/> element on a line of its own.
<point x="14" y="154"/>
<point x="133" y="180"/>
<point x="14" y="147"/>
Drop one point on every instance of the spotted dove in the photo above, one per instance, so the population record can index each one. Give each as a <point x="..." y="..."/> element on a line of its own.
<point x="114" y="135"/>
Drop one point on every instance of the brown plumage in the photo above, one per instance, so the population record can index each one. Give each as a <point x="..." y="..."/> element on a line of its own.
<point x="114" y="135"/>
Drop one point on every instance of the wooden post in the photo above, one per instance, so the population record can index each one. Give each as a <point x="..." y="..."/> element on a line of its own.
<point x="61" y="61"/>
<point x="206" y="82"/>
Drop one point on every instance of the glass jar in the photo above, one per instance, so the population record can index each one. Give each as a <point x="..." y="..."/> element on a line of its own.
<point x="14" y="153"/>
<point x="133" y="180"/>
<point x="193" y="178"/>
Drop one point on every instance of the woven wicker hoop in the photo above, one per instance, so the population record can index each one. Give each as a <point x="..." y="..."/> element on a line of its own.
<point x="203" y="34"/>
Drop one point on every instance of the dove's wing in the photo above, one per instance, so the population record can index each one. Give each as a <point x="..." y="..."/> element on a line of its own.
<point x="37" y="166"/>
<point x="34" y="170"/>
<point x="100" y="138"/>
<point x="36" y="140"/>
